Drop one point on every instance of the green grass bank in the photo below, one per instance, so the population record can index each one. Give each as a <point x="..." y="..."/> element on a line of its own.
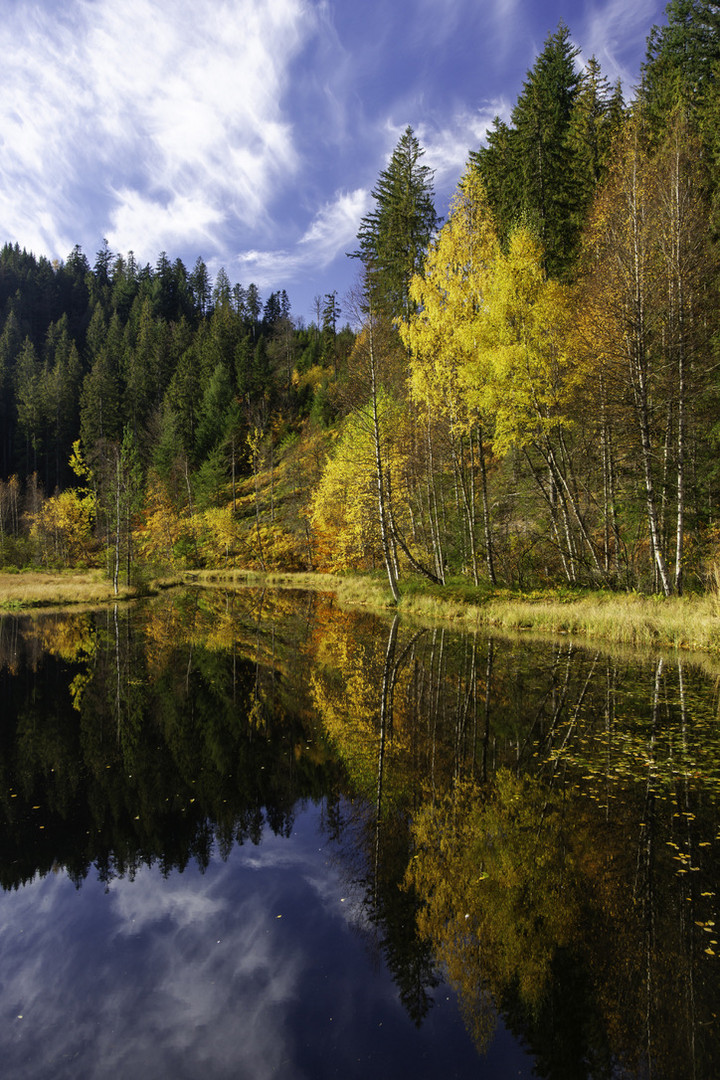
<point x="687" y="622"/>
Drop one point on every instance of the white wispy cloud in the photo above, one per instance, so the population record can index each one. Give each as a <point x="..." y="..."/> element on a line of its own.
<point x="162" y="226"/>
<point x="335" y="225"/>
<point x="447" y="149"/>
<point x="141" y="112"/>
<point x="497" y="26"/>
<point x="615" y="32"/>
<point x="331" y="233"/>
<point x="252" y="131"/>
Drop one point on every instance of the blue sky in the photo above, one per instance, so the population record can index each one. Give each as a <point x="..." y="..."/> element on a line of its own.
<point x="252" y="132"/>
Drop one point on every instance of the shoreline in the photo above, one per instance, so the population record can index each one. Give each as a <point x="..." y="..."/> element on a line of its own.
<point x="689" y="623"/>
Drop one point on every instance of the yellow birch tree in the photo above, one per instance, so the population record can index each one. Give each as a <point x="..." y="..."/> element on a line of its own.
<point x="524" y="375"/>
<point x="441" y="336"/>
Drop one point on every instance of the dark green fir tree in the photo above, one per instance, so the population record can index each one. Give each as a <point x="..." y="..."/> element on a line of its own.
<point x="394" y="236"/>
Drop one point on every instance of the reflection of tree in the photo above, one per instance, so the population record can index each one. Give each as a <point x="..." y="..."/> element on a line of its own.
<point x="165" y="757"/>
<point x="363" y="690"/>
<point x="501" y="891"/>
<point x="539" y="908"/>
<point x="564" y="803"/>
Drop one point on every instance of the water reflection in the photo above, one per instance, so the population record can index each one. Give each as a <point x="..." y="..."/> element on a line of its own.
<point x="253" y="969"/>
<point x="536" y="824"/>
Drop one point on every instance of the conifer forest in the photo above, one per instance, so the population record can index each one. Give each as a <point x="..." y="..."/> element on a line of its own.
<point x="523" y="394"/>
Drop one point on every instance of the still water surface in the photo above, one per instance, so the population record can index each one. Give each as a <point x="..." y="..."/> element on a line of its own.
<point x="253" y="835"/>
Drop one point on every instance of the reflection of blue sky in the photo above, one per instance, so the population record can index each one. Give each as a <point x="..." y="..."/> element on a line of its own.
<point x="196" y="975"/>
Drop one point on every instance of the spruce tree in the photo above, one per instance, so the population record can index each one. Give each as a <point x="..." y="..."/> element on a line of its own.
<point x="394" y="236"/>
<point x="497" y="165"/>
<point x="681" y="62"/>
<point x="681" y="77"/>
<point x="100" y="404"/>
<point x="596" y="119"/>
<point x="527" y="167"/>
<point x="541" y="118"/>
<point x="10" y="344"/>
<point x="199" y="286"/>
<point x="29" y="404"/>
<point x="214" y="411"/>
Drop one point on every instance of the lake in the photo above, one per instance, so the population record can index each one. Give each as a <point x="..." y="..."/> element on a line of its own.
<point x="252" y="834"/>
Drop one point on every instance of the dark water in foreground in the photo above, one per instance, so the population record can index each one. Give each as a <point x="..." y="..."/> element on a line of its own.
<point x="256" y="836"/>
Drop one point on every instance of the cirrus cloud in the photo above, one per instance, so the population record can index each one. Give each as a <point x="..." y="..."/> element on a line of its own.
<point x="129" y="117"/>
<point x="250" y="132"/>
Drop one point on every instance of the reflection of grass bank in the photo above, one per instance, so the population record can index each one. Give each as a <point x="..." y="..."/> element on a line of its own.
<point x="688" y="622"/>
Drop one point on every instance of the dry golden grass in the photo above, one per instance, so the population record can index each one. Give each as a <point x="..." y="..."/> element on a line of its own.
<point x="349" y="589"/>
<point x="48" y="589"/>
<point x="680" y="622"/>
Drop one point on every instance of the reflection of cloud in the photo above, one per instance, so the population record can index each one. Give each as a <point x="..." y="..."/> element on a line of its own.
<point x="186" y="974"/>
<point x="263" y="966"/>
<point x="345" y="901"/>
<point x="140" y="904"/>
<point x="167" y="972"/>
<point x="210" y="949"/>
